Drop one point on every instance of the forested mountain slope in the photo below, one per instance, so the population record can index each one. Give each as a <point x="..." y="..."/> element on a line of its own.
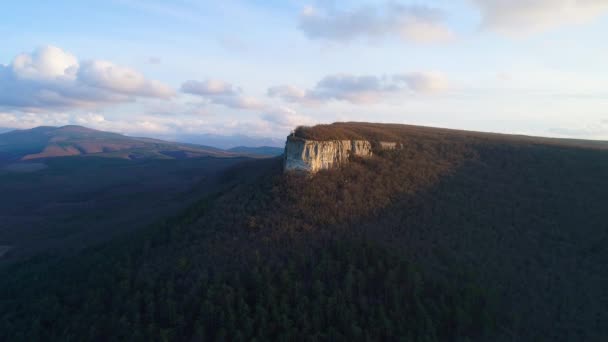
<point x="457" y="236"/>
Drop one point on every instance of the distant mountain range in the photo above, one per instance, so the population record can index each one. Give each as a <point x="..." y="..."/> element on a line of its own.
<point x="48" y="142"/>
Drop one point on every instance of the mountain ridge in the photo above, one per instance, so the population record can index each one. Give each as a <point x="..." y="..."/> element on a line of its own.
<point x="377" y="132"/>
<point x="73" y="140"/>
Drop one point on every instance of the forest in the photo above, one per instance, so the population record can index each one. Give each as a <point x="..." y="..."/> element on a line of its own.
<point x="456" y="236"/>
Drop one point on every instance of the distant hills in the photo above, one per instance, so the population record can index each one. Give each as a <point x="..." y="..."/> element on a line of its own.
<point x="49" y="142"/>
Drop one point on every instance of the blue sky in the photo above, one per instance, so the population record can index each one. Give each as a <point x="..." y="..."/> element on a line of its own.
<point x="161" y="68"/>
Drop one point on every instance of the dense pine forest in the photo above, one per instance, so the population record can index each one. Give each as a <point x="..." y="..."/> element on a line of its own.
<point x="456" y="236"/>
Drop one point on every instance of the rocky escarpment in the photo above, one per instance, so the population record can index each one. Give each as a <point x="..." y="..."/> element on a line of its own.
<point x="313" y="155"/>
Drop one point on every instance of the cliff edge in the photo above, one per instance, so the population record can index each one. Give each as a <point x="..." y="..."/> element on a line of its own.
<point x="314" y="155"/>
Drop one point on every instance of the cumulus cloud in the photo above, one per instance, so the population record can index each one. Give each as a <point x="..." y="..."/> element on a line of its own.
<point x="50" y="78"/>
<point x="521" y="16"/>
<point x="361" y="89"/>
<point x="416" y="23"/>
<point x="221" y="93"/>
<point x="108" y="76"/>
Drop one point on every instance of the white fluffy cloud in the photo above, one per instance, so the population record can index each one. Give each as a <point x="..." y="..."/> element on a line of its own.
<point x="50" y="78"/>
<point x="512" y="16"/>
<point x="425" y="82"/>
<point x="361" y="89"/>
<point x="221" y="93"/>
<point x="416" y="23"/>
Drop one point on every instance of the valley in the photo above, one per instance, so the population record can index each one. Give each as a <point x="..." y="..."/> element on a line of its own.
<point x="107" y="185"/>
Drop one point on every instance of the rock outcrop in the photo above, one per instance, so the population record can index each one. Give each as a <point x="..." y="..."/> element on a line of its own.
<point x="312" y="155"/>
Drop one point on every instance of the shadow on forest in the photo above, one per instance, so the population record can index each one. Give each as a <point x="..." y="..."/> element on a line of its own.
<point x="425" y="242"/>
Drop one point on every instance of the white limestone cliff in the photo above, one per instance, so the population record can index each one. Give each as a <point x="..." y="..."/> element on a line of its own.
<point x="312" y="155"/>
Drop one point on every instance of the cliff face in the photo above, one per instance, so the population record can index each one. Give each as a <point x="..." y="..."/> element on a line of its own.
<point x="312" y="155"/>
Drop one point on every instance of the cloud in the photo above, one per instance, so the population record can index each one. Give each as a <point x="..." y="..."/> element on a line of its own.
<point x="355" y="89"/>
<point x="425" y="82"/>
<point x="416" y="23"/>
<point x="209" y="88"/>
<point x="287" y="92"/>
<point x="108" y="76"/>
<point x="28" y="120"/>
<point x="521" y="16"/>
<point x="238" y="102"/>
<point x="286" y="118"/>
<point x="221" y="93"/>
<point x="50" y="79"/>
<point x="361" y="89"/>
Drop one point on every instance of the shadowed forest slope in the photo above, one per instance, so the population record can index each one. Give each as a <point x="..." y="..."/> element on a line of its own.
<point x="457" y="236"/>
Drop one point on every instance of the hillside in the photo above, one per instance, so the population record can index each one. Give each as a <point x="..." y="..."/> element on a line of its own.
<point x="92" y="185"/>
<point x="456" y="236"/>
<point x="78" y="201"/>
<point x="49" y="142"/>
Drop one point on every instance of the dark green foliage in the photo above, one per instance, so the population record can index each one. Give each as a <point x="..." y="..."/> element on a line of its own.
<point x="349" y="291"/>
<point x="452" y="238"/>
<point x="79" y="201"/>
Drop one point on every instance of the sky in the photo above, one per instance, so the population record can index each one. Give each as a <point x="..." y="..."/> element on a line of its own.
<point x="262" y="67"/>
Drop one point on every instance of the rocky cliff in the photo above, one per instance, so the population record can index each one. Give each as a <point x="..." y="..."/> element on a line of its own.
<point x="313" y="155"/>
